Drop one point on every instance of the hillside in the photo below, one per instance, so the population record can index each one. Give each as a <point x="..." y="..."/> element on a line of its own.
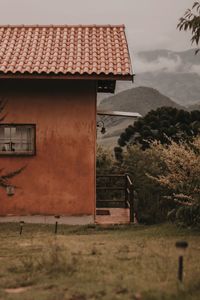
<point x="194" y="106"/>
<point x="140" y="99"/>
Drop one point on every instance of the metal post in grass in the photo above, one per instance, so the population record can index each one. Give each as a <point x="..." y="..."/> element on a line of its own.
<point x="126" y="188"/>
<point x="131" y="206"/>
<point x="21" y="224"/>
<point x="181" y="246"/>
<point x="56" y="224"/>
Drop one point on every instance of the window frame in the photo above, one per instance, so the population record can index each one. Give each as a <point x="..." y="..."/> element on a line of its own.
<point x="15" y="153"/>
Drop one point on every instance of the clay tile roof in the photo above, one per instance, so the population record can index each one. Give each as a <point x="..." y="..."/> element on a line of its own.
<point x="64" y="50"/>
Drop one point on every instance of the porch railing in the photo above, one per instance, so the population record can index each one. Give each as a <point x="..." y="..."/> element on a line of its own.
<point x="117" y="191"/>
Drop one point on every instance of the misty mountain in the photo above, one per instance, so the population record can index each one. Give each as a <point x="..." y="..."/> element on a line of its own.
<point x="183" y="88"/>
<point x="174" y="74"/>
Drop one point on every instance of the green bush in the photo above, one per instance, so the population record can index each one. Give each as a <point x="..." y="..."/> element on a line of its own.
<point x="139" y="163"/>
<point x="188" y="216"/>
<point x="136" y="163"/>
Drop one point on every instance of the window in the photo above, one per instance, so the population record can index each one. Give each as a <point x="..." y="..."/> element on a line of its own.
<point x="16" y="139"/>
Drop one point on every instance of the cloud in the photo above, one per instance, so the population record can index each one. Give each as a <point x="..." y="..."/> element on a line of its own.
<point x="163" y="64"/>
<point x="173" y="64"/>
<point x="195" y="69"/>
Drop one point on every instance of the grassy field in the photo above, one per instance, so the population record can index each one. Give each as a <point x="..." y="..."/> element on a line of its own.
<point x="81" y="263"/>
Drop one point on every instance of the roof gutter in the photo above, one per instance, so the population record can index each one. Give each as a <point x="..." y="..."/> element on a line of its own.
<point x="127" y="77"/>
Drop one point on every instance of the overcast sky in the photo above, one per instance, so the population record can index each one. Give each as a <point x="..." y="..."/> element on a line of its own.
<point x="151" y="24"/>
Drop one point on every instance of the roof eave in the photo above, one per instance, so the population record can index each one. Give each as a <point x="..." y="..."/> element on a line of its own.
<point x="126" y="77"/>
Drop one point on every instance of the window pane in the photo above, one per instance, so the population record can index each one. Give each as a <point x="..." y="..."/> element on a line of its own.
<point x="12" y="132"/>
<point x="5" y="138"/>
<point x="17" y="139"/>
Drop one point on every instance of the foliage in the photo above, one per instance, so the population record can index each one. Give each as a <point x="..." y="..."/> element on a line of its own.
<point x="137" y="163"/>
<point x="182" y="167"/>
<point x="104" y="160"/>
<point x="6" y="176"/>
<point x="118" y="154"/>
<point x="188" y="216"/>
<point x="191" y="21"/>
<point x="166" y="179"/>
<point x="162" y="124"/>
<point x="106" y="164"/>
<point x="181" y="175"/>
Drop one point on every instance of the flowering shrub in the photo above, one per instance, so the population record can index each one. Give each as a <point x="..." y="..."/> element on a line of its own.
<point x="181" y="172"/>
<point x="181" y="175"/>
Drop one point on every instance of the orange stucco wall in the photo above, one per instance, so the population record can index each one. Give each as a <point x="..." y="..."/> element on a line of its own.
<point x="60" y="178"/>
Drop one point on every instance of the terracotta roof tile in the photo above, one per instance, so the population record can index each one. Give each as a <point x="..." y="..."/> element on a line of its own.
<point x="64" y="49"/>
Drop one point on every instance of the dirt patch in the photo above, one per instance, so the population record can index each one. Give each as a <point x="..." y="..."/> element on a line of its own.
<point x="25" y="244"/>
<point x="17" y="290"/>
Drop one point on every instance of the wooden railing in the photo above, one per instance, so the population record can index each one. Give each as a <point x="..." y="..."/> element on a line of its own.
<point x="129" y="196"/>
<point x="110" y="184"/>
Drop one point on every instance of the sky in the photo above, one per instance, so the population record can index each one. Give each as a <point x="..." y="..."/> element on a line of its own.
<point x="150" y="24"/>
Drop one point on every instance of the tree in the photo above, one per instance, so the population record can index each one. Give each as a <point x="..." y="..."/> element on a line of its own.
<point x="104" y="160"/>
<point x="191" y="21"/>
<point x="138" y="163"/>
<point x="162" y="124"/>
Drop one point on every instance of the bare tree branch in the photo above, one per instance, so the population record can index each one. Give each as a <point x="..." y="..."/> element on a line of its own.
<point x="7" y="176"/>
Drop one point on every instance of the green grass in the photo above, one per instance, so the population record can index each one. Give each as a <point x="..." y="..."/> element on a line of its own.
<point x="88" y="262"/>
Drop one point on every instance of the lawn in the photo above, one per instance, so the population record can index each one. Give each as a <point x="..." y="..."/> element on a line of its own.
<point x="82" y="263"/>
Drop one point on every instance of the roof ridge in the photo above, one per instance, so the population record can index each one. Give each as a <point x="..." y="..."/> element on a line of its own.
<point x="61" y="25"/>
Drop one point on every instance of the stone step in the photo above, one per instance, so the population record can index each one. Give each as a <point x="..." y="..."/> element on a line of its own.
<point x="116" y="216"/>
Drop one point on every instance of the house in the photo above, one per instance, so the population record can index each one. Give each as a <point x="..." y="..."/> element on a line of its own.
<point x="49" y="79"/>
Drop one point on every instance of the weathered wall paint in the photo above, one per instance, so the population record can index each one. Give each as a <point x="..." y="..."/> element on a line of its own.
<point x="60" y="179"/>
